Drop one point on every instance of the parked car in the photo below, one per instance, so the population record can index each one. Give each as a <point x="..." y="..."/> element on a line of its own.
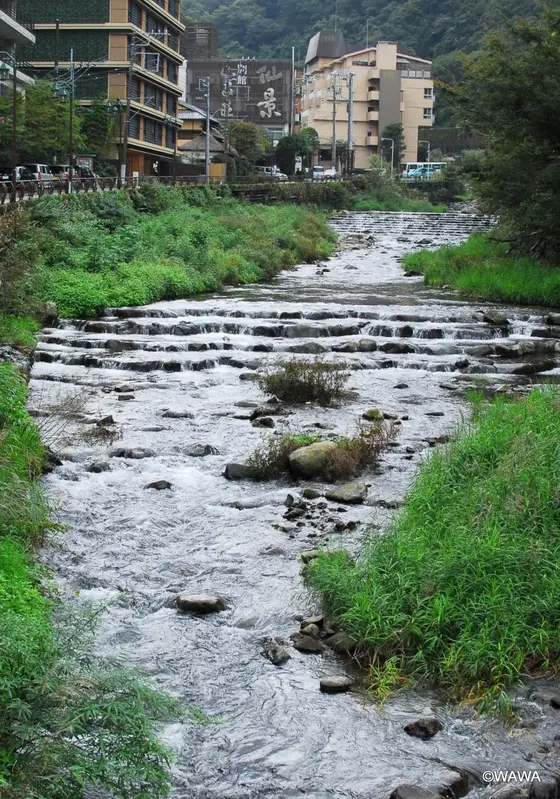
<point x="318" y="172"/>
<point x="41" y="172"/>
<point x="270" y="173"/>
<point x="61" y="172"/>
<point x="22" y="173"/>
<point x="331" y="174"/>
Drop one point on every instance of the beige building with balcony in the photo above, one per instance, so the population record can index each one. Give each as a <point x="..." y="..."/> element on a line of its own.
<point x="389" y="87"/>
<point x="126" y="51"/>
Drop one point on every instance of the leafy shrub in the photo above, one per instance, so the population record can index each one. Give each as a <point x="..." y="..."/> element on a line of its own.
<point x="355" y="454"/>
<point x="299" y="381"/>
<point x="271" y="459"/>
<point x="18" y="253"/>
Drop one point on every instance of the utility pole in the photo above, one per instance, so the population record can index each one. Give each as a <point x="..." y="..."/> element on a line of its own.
<point x="333" y="147"/>
<point x="227" y="94"/>
<point x="57" y="45"/>
<point x="14" y="126"/>
<point x="207" y="142"/>
<point x="429" y="152"/>
<point x="293" y="93"/>
<point x="350" y="159"/>
<point x="124" y="157"/>
<point x="71" y="132"/>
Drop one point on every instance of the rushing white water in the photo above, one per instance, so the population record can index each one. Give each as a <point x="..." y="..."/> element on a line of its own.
<point x="276" y="735"/>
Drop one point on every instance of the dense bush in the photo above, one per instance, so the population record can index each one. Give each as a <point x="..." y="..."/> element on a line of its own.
<point x="299" y="381"/>
<point x="464" y="589"/>
<point x="485" y="268"/>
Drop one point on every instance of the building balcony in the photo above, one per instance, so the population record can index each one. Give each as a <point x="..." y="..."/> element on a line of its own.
<point x="372" y="116"/>
<point x="372" y="140"/>
<point x="374" y="74"/>
<point x="14" y="26"/>
<point x="373" y="95"/>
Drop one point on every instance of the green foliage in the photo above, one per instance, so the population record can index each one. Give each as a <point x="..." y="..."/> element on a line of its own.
<point x="485" y="268"/>
<point x="394" y="131"/>
<point x="286" y="151"/>
<point x="477" y="555"/>
<point x="43" y="125"/>
<point x="510" y="94"/>
<point x="97" y="127"/>
<point x="270" y="460"/>
<point x="266" y="28"/>
<point x="89" y="251"/>
<point x="18" y="331"/>
<point x="248" y="140"/>
<point x="376" y="191"/>
<point x="307" y="140"/>
<point x="300" y="381"/>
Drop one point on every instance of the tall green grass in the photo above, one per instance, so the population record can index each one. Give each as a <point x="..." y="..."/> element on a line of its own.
<point x="17" y="330"/>
<point x="464" y="589"/>
<point x="378" y="202"/>
<point x="485" y="268"/>
<point x="123" y="250"/>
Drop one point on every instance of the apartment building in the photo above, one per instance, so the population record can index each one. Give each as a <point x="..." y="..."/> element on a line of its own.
<point x="126" y="51"/>
<point x="389" y="86"/>
<point x="15" y="30"/>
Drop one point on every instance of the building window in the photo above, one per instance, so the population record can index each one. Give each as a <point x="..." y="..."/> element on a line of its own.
<point x="173" y="41"/>
<point x="135" y="14"/>
<point x="171" y="72"/>
<point x="173" y="8"/>
<point x="428" y="113"/>
<point x="170" y="137"/>
<point x="135" y="93"/>
<point x="134" y="127"/>
<point x="171" y="105"/>
<point x="428" y="94"/>
<point x="153" y="62"/>
<point x="149" y="131"/>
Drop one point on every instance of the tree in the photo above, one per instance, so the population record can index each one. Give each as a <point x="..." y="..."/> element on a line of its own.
<point x="248" y="140"/>
<point x="286" y="151"/>
<point x="98" y="125"/>
<point x="511" y="95"/>
<point x="43" y="128"/>
<point x="394" y="131"/>
<point x="307" y="141"/>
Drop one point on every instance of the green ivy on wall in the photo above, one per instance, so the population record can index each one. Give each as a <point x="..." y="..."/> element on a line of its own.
<point x="80" y="11"/>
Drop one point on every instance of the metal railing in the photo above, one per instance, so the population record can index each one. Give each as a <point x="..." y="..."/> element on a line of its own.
<point x="11" y="8"/>
<point x="32" y="189"/>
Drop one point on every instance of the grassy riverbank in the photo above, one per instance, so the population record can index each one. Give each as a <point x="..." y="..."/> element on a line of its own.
<point x="91" y="251"/>
<point x="375" y="201"/>
<point x="485" y="268"/>
<point x="464" y="589"/>
<point x="65" y="721"/>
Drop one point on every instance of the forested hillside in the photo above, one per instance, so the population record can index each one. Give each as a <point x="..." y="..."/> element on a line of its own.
<point x="426" y="27"/>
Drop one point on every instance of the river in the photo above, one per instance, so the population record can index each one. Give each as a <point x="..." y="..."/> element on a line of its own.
<point x="174" y="377"/>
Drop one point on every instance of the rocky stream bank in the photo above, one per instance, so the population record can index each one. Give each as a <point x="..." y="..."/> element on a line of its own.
<point x="202" y="574"/>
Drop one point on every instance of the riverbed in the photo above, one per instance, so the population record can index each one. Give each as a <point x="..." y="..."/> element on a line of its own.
<point x="177" y="379"/>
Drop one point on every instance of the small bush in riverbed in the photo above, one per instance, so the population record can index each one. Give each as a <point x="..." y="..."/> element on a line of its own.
<point x="464" y="588"/>
<point x="299" y="381"/>
<point x="271" y="459"/>
<point x="350" y="457"/>
<point x="355" y="454"/>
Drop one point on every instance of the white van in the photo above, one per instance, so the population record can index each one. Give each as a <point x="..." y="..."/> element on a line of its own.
<point x="41" y="172"/>
<point x="270" y="172"/>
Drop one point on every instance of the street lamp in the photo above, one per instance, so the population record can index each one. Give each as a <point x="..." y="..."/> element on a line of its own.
<point x="64" y="90"/>
<point x="392" y="152"/>
<point x="10" y="59"/>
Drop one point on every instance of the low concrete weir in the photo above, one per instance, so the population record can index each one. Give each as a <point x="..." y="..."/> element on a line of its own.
<point x="176" y="378"/>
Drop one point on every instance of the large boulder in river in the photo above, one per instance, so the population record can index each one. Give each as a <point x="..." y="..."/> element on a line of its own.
<point x="311" y="461"/>
<point x="350" y="493"/>
<point x="200" y="603"/>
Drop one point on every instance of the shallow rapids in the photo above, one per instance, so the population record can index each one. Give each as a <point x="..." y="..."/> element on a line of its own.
<point x="174" y="376"/>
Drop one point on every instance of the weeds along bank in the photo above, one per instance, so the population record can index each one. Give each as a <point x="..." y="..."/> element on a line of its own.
<point x="464" y="589"/>
<point x="91" y="251"/>
<point x="487" y="268"/>
<point x="66" y="721"/>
